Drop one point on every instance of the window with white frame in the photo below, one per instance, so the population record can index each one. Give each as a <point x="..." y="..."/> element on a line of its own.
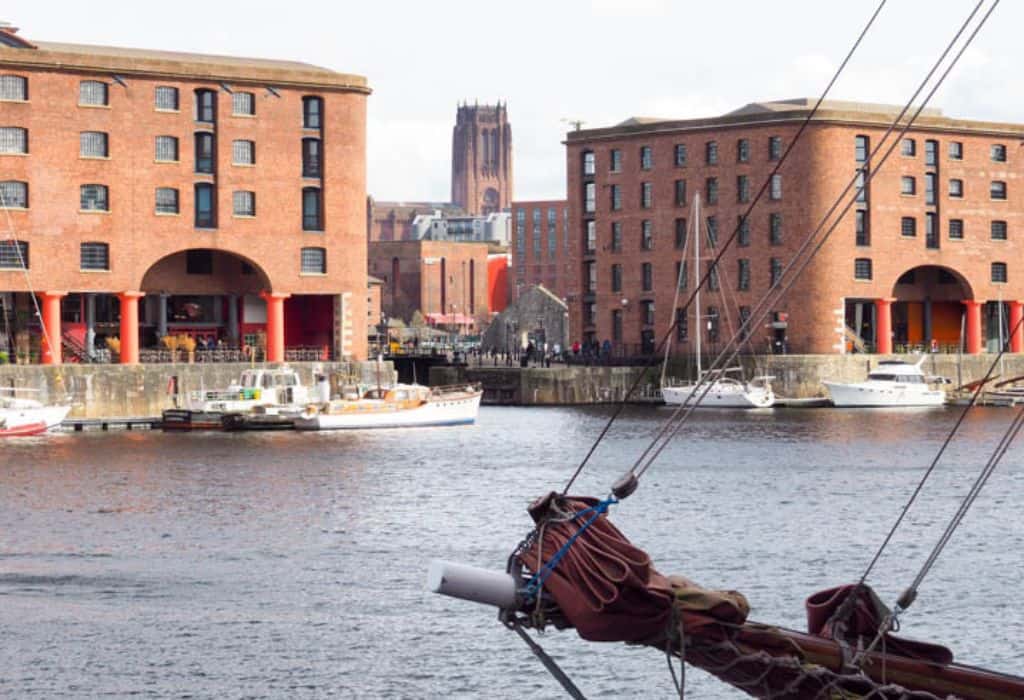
<point x="166" y="98"/>
<point x="13" y="255"/>
<point x="244" y="203"/>
<point x="13" y="194"/>
<point x="243" y="152"/>
<point x="314" y="261"/>
<point x="93" y="93"/>
<point x="94" y="256"/>
<point x="243" y="104"/>
<point x="93" y="144"/>
<point x="13" y="88"/>
<point x="167" y="149"/>
<point x="13" y="139"/>
<point x="166" y="200"/>
<point x="94" y="198"/>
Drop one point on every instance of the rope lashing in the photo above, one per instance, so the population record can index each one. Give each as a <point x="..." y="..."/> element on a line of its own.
<point x="534" y="585"/>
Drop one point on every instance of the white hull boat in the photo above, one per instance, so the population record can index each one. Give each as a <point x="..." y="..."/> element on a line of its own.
<point x="28" y="417"/>
<point x="893" y="383"/>
<point x="723" y="393"/>
<point x="401" y="406"/>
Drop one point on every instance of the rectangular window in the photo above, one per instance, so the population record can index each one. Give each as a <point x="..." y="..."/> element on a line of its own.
<point x="314" y="261"/>
<point x="744" y="330"/>
<point x="956" y="150"/>
<point x="590" y="271"/>
<point x="13" y="255"/>
<point x="646" y="195"/>
<point x="311" y="160"/>
<point x="775" y="270"/>
<point x="682" y="325"/>
<point x="997" y="190"/>
<point x="243" y="152"/>
<point x="775" y="192"/>
<point x="774" y="147"/>
<point x="312" y="209"/>
<point x="908" y="147"/>
<point x="931" y="153"/>
<point x="956" y="188"/>
<point x="94" y="256"/>
<point x="13" y="139"/>
<point x="712" y="276"/>
<point x="167" y="149"/>
<point x="775" y="228"/>
<point x="712" y="228"/>
<point x="999" y="272"/>
<point x="931" y="231"/>
<point x="998" y="229"/>
<point x="860" y="149"/>
<point x="680" y="155"/>
<point x="166" y="200"/>
<point x="13" y="88"/>
<point x="956" y="229"/>
<point x="616" y="278"/>
<point x="647" y="276"/>
<point x="167" y="98"/>
<point x="205" y="206"/>
<point x="94" y="198"/>
<point x="243" y="104"/>
<point x="206" y="106"/>
<point x="615" y="192"/>
<point x="863" y="231"/>
<point x="680" y="238"/>
<point x="713" y="324"/>
<point x="929" y="188"/>
<point x="92" y="144"/>
<point x="591" y="242"/>
<point x="646" y="158"/>
<point x="743" y="276"/>
<point x="312" y="112"/>
<point x="742" y="188"/>
<point x="244" y="203"/>
<point x="743" y="232"/>
<point x="680" y="193"/>
<point x="589" y="164"/>
<point x="92" y="92"/>
<point x="908" y="185"/>
<point x="743" y="151"/>
<point x="615" y="160"/>
<point x="536" y="233"/>
<point x="617" y="325"/>
<point x="589" y="197"/>
<point x="711" y="153"/>
<point x="862" y="268"/>
<point x="204" y="152"/>
<point x="13" y="194"/>
<point x="861" y="185"/>
<point x="681" y="274"/>
<point x="616" y="236"/>
<point x="647" y="312"/>
<point x="908" y="226"/>
<point x="998" y="153"/>
<point x="590" y="314"/>
<point x="520" y="231"/>
<point x="646" y="235"/>
<point x="711" y="190"/>
<point x="553" y="232"/>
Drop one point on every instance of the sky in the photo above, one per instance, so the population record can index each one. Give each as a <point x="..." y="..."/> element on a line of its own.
<point x="598" y="61"/>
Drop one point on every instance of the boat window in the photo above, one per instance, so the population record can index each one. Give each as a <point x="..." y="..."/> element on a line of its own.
<point x="247" y="380"/>
<point x="268" y="381"/>
<point x="401" y="395"/>
<point x="883" y="377"/>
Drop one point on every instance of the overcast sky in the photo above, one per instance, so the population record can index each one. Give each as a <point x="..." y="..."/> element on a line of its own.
<point x="599" y="61"/>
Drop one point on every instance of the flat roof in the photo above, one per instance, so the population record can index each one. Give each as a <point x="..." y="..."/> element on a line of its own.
<point x="87" y="58"/>
<point x="796" y="110"/>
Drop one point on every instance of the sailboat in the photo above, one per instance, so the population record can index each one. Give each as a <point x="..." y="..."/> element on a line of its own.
<point x="21" y="416"/>
<point x="727" y="390"/>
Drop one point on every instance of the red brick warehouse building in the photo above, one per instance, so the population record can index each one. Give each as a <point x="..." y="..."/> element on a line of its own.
<point x="542" y="249"/>
<point x="933" y="243"/>
<point x="154" y="193"/>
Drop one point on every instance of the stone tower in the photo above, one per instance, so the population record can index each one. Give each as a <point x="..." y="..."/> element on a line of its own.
<point x="482" y="159"/>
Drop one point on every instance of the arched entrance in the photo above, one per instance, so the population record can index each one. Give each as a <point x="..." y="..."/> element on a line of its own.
<point x="928" y="309"/>
<point x="211" y="296"/>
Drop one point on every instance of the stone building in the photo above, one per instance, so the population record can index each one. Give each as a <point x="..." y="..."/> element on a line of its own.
<point x="155" y="192"/>
<point x="482" y="159"/>
<point x="538" y="316"/>
<point x="932" y="242"/>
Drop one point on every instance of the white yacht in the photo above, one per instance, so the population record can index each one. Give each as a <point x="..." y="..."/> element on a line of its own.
<point x="725" y="392"/>
<point x="892" y="383"/>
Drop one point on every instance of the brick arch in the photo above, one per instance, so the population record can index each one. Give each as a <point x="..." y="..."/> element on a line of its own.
<point x="229" y="274"/>
<point x="928" y="283"/>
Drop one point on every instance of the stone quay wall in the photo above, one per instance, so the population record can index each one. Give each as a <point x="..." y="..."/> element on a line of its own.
<point x="144" y="390"/>
<point x="795" y="376"/>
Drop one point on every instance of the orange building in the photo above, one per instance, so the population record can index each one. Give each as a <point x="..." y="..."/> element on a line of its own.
<point x="153" y="193"/>
<point x="497" y="281"/>
<point x="933" y="243"/>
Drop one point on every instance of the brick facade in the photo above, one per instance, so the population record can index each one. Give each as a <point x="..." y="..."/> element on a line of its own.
<point x="542" y="248"/>
<point x="482" y="159"/>
<point x="959" y="262"/>
<point x="255" y="252"/>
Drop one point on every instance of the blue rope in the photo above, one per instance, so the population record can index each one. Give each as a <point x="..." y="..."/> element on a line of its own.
<point x="534" y="585"/>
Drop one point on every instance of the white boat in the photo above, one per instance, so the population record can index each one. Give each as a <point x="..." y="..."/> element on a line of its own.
<point x="399" y="406"/>
<point x="891" y="383"/>
<point x="257" y="387"/>
<point x="20" y="416"/>
<point x="725" y="391"/>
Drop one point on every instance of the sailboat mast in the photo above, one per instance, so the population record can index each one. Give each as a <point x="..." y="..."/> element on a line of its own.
<point x="696" y="275"/>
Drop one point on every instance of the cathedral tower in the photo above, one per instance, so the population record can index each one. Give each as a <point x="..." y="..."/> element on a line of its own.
<point x="482" y="159"/>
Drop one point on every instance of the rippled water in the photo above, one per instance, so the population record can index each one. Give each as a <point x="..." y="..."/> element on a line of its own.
<point x="293" y="565"/>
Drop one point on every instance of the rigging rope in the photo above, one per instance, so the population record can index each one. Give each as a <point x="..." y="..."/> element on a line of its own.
<point x="680" y="416"/>
<point x="728" y="242"/>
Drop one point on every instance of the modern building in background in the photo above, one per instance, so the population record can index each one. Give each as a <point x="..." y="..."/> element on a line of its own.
<point x="933" y="243"/>
<point x="542" y="250"/>
<point x="154" y="193"/>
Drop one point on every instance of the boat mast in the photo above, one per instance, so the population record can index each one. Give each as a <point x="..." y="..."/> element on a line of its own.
<point x="675" y="308"/>
<point x="696" y="275"/>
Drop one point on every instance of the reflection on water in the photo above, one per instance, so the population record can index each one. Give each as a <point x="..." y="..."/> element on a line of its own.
<point x="293" y="564"/>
